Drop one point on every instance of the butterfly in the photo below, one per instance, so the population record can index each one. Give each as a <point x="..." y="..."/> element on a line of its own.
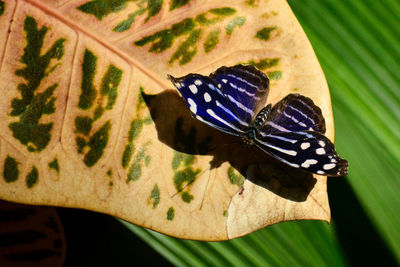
<point x="232" y="100"/>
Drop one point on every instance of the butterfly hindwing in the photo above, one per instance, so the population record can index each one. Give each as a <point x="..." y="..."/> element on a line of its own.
<point x="295" y="113"/>
<point x="245" y="87"/>
<point x="307" y="150"/>
<point x="207" y="103"/>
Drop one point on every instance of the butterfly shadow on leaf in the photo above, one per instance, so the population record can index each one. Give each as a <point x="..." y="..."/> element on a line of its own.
<point x="179" y="130"/>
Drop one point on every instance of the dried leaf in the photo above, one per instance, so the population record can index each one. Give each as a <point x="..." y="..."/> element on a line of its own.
<point x="90" y="120"/>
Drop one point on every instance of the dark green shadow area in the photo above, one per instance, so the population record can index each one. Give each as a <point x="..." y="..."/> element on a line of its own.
<point x="360" y="241"/>
<point x="95" y="239"/>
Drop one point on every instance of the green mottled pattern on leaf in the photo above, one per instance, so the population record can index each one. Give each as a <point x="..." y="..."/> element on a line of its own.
<point x="88" y="92"/>
<point x="155" y="195"/>
<point x="264" y="63"/>
<point x="214" y="15"/>
<point x="54" y="165"/>
<point x="186" y="197"/>
<point x="163" y="39"/>
<point x="265" y="32"/>
<point x="170" y="214"/>
<point x="135" y="168"/>
<point x="225" y="11"/>
<point x="31" y="107"/>
<point x="10" y="171"/>
<point x="236" y="22"/>
<point x="236" y="179"/>
<point x="97" y="144"/>
<point x="153" y="7"/>
<point x="274" y="75"/>
<point x="185" y="176"/>
<point x="180" y="157"/>
<point x="135" y="130"/>
<point x="212" y="40"/>
<point x="102" y="8"/>
<point x="85" y="124"/>
<point x="98" y="112"/>
<point x="189" y="31"/>
<point x="32" y="177"/>
<point x="127" y="23"/>
<point x="2" y="7"/>
<point x="127" y="154"/>
<point x="251" y="2"/>
<point x="109" y="85"/>
<point x="187" y="49"/>
<point x="177" y="4"/>
<point x="182" y="163"/>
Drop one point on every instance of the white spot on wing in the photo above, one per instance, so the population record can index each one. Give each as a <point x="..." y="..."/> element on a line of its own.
<point x="198" y="82"/>
<point x="240" y="105"/>
<point x="207" y="97"/>
<point x="242" y="80"/>
<point x="282" y="138"/>
<point x="215" y="116"/>
<point x="320" y="172"/>
<point x="321" y="143"/>
<point x="307" y="163"/>
<point x="224" y="80"/>
<point x="278" y="127"/>
<point x="192" y="105"/>
<point x="193" y="88"/>
<point x="329" y="166"/>
<point x="300" y="112"/>
<point x="230" y="113"/>
<point x="242" y="90"/>
<point x="320" y="151"/>
<point x="305" y="145"/>
<point x="285" y="151"/>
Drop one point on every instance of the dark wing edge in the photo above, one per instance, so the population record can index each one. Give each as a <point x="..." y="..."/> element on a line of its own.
<point x="243" y="84"/>
<point x="308" y="150"/>
<point x="296" y="113"/>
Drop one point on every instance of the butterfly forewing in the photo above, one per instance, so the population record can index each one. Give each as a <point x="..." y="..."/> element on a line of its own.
<point x="295" y="113"/>
<point x="245" y="87"/>
<point x="208" y="104"/>
<point x="307" y="150"/>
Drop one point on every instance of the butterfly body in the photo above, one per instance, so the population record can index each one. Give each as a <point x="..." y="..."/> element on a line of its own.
<point x="232" y="100"/>
<point x="255" y="126"/>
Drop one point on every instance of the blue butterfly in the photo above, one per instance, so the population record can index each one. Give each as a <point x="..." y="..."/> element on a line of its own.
<point x="232" y="100"/>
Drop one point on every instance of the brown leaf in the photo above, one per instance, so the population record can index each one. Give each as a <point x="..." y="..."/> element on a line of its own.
<point x="91" y="121"/>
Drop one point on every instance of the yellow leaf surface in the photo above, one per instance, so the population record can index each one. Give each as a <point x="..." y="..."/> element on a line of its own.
<point x="89" y="119"/>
